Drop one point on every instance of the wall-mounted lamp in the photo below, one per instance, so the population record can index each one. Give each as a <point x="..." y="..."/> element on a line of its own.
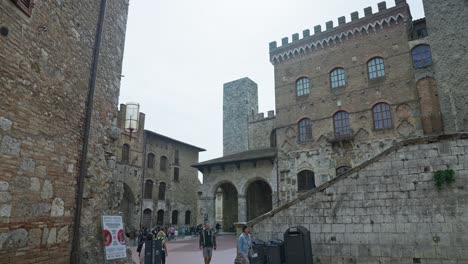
<point x="131" y="118"/>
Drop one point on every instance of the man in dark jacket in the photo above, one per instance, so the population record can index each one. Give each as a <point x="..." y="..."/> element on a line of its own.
<point x="207" y="242"/>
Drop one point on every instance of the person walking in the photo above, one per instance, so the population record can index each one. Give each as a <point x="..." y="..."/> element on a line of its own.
<point x="207" y="243"/>
<point x="244" y="245"/>
<point x="162" y="236"/>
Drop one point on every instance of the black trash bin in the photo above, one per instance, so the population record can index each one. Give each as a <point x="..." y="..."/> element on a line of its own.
<point x="297" y="245"/>
<point x="275" y="252"/>
<point x="259" y="247"/>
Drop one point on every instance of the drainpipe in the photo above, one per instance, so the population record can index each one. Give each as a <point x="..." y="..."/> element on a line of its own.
<point x="75" y="254"/>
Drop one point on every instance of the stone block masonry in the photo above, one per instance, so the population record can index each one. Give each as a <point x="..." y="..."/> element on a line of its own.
<point x="446" y="23"/>
<point x="240" y="105"/>
<point x="386" y="210"/>
<point x="46" y="63"/>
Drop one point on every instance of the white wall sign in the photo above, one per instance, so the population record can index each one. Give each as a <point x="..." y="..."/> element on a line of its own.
<point x="114" y="237"/>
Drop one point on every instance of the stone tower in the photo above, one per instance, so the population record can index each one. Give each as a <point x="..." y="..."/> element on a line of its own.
<point x="240" y="104"/>
<point x="446" y="22"/>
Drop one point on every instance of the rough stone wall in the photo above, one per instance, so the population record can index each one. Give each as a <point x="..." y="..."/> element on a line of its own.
<point x="388" y="211"/>
<point x="130" y="173"/>
<point x="46" y="60"/>
<point x="240" y="178"/>
<point x="240" y="105"/>
<point x="181" y="195"/>
<point x="398" y="88"/>
<point x="446" y="21"/>
<point x="260" y="132"/>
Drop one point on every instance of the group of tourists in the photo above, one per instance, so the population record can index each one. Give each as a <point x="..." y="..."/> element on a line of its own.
<point x="152" y="248"/>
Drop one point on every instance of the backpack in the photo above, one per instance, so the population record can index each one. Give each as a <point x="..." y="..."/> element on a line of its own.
<point x="153" y="251"/>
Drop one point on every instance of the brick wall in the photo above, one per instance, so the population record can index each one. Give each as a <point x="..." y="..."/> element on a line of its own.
<point x="387" y="210"/>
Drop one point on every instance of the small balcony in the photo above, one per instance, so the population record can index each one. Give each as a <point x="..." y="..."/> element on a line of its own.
<point x="344" y="135"/>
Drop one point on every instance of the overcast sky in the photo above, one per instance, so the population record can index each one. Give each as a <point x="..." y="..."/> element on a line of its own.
<point x="178" y="54"/>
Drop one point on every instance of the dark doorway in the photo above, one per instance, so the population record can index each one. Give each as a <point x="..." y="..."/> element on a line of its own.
<point x="187" y="217"/>
<point x="227" y="206"/>
<point x="259" y="199"/>
<point x="175" y="217"/>
<point x="147" y="218"/>
<point x="160" y="218"/>
<point x="127" y="207"/>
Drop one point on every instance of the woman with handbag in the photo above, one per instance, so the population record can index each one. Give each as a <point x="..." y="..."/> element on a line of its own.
<point x="244" y="245"/>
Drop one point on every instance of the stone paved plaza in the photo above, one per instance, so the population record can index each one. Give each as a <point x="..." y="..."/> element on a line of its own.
<point x="187" y="251"/>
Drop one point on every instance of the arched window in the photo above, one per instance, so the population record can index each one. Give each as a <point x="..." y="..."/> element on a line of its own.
<point x="422" y="56"/>
<point x="147" y="218"/>
<point x="148" y="194"/>
<point x="342" y="169"/>
<point x="305" y="130"/>
<point x="337" y="78"/>
<point x="175" y="217"/>
<point x="187" y="217"/>
<point x="150" y="162"/>
<point x="162" y="191"/>
<point x="376" y="68"/>
<point x="125" y="153"/>
<point x="382" y="116"/>
<point x="176" y="174"/>
<point x="305" y="180"/>
<point x="341" y="122"/>
<point x="302" y="86"/>
<point x="163" y="163"/>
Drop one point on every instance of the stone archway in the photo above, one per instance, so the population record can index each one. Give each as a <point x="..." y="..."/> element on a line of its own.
<point x="259" y="199"/>
<point x="160" y="218"/>
<point x="127" y="207"/>
<point x="226" y="208"/>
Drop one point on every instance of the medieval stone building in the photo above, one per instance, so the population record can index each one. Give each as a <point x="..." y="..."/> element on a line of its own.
<point x="358" y="135"/>
<point x="160" y="186"/>
<point x="170" y="183"/>
<point x="59" y="61"/>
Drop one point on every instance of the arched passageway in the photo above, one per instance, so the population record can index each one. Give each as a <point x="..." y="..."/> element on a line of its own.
<point x="259" y="199"/>
<point x="226" y="206"/>
<point x="127" y="207"/>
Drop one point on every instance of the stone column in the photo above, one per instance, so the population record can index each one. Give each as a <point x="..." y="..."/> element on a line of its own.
<point x="242" y="208"/>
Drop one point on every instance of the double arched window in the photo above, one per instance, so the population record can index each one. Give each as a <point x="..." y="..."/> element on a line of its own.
<point x="302" y="86"/>
<point x="382" y="116"/>
<point x="337" y="78"/>
<point x="305" y="180"/>
<point x="305" y="130"/>
<point x="422" y="56"/>
<point x="376" y="68"/>
<point x="341" y="123"/>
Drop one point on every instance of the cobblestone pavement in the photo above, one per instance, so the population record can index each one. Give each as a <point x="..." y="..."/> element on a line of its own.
<point x="187" y="251"/>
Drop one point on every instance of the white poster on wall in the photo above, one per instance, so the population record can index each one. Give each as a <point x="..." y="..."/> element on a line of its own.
<point x="114" y="237"/>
